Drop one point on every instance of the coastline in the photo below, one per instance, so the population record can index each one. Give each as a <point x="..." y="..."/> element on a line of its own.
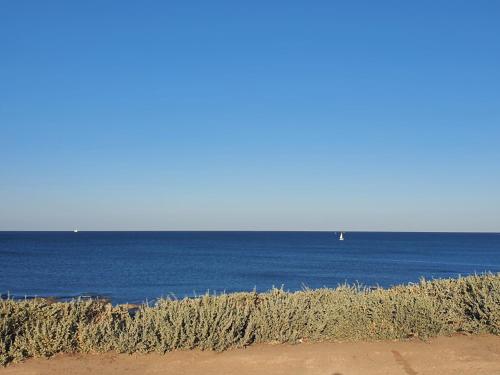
<point x="40" y="328"/>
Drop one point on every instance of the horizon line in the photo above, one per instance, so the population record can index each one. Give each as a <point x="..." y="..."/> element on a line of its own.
<point x="251" y="230"/>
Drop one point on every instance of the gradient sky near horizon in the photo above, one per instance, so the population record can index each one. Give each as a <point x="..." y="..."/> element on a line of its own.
<point x="297" y="115"/>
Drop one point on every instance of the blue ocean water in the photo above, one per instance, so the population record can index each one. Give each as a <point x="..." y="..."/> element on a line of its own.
<point x="138" y="266"/>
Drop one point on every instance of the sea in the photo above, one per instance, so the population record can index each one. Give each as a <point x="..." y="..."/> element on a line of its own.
<point x="135" y="267"/>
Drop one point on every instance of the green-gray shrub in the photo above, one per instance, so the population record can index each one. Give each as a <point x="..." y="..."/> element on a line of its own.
<point x="42" y="328"/>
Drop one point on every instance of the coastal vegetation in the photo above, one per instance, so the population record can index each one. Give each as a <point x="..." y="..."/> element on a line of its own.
<point x="42" y="328"/>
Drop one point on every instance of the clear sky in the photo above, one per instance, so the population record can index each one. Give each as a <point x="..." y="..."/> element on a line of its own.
<point x="273" y="115"/>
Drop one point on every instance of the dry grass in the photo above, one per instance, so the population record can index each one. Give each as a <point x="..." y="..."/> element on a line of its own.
<point x="440" y="307"/>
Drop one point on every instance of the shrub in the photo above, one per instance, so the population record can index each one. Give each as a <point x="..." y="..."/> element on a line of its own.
<point x="40" y="328"/>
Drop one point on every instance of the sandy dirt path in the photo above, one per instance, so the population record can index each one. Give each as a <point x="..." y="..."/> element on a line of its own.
<point x="440" y="356"/>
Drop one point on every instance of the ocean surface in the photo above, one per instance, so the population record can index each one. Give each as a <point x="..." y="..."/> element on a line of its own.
<point x="137" y="266"/>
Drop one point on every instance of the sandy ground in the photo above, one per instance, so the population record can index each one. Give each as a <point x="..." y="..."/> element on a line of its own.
<point x="441" y="356"/>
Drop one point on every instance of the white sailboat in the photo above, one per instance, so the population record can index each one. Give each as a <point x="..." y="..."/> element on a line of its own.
<point x="75" y="230"/>
<point x="341" y="238"/>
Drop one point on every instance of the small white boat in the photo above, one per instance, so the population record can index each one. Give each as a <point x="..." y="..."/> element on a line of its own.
<point x="341" y="238"/>
<point x="75" y="230"/>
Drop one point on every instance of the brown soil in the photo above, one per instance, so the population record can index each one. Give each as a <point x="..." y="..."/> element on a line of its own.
<point x="441" y="356"/>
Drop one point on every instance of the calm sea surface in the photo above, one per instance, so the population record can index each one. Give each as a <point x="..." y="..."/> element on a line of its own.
<point x="135" y="266"/>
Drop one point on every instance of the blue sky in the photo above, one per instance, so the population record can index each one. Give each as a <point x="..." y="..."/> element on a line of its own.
<point x="278" y="115"/>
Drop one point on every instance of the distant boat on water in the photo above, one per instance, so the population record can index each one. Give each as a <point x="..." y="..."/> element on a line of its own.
<point x="75" y="230"/>
<point x="341" y="238"/>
